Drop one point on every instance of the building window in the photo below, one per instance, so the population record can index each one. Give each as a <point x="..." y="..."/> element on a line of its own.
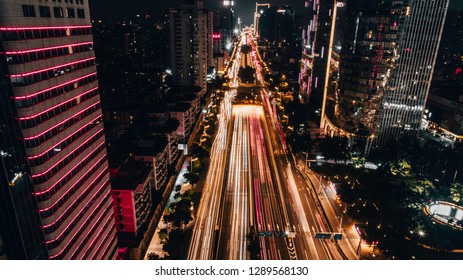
<point x="29" y="11"/>
<point x="80" y="13"/>
<point x="71" y="13"/>
<point x="59" y="13"/>
<point x="44" y="11"/>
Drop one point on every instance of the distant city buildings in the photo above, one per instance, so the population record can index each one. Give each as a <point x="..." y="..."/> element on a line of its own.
<point x="276" y="24"/>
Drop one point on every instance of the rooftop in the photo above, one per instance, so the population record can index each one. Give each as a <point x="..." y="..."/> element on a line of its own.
<point x="131" y="174"/>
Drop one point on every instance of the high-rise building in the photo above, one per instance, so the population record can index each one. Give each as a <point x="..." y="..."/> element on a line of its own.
<point x="276" y="23"/>
<point x="191" y="46"/>
<point x="387" y="60"/>
<point x="227" y="24"/>
<point x="316" y="35"/>
<point x="55" y="191"/>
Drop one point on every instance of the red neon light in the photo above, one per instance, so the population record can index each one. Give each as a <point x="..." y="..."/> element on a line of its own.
<point x="458" y="71"/>
<point x="46" y="49"/>
<point x="43" y="27"/>
<point x="38" y="135"/>
<point x="32" y="157"/>
<point x="109" y="244"/>
<point x="90" y="216"/>
<point x="51" y="108"/>
<point x="217" y="36"/>
<point x="37" y="175"/>
<point x="93" y="241"/>
<point x="47" y="190"/>
<point x="54" y="256"/>
<point x="47" y="89"/>
<point x="36" y="156"/>
<point x="62" y="214"/>
<point x="50" y="68"/>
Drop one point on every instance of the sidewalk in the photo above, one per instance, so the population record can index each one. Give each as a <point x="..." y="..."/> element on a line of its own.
<point x="155" y="244"/>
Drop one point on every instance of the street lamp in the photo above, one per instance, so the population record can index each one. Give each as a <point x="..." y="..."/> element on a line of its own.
<point x="257" y="16"/>
<point x="340" y="220"/>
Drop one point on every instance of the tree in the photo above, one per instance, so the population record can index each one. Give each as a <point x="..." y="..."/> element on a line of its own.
<point x="456" y="192"/>
<point x="175" y="247"/>
<point x="198" y="151"/>
<point x="152" y="256"/>
<point x="246" y="74"/>
<point x="163" y="234"/>
<point x="181" y="214"/>
<point x="192" y="178"/>
<point x="423" y="189"/>
<point x="207" y="143"/>
<point x="209" y="130"/>
<point x="336" y="148"/>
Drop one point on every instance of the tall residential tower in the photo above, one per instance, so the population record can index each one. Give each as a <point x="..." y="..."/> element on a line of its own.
<point x="55" y="191"/>
<point x="191" y="46"/>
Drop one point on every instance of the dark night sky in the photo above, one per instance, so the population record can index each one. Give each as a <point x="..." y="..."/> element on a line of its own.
<point x="243" y="8"/>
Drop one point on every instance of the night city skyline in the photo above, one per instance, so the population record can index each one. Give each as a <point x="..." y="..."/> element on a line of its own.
<point x="206" y="130"/>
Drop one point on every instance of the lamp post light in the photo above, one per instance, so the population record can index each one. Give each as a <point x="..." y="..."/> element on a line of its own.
<point x="257" y="16"/>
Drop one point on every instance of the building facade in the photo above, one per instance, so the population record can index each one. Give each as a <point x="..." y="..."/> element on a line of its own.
<point x="55" y="183"/>
<point x="386" y="65"/>
<point x="191" y="45"/>
<point x="316" y="35"/>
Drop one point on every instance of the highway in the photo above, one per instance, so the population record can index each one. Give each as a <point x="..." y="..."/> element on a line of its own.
<point x="253" y="182"/>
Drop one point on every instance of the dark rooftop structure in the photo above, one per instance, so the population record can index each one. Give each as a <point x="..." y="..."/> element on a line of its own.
<point x="149" y="146"/>
<point x="130" y="175"/>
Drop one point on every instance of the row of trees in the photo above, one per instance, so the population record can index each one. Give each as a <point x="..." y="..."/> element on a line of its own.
<point x="390" y="200"/>
<point x="180" y="211"/>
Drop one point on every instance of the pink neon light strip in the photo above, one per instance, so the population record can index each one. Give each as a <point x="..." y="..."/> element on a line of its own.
<point x="45" y="49"/>
<point x="62" y="103"/>
<point x="53" y="147"/>
<point x="47" y="190"/>
<point x="47" y="89"/>
<point x="51" y="167"/>
<point x="109" y="244"/>
<point x="36" y="156"/>
<point x="64" y="212"/>
<point x="77" y="231"/>
<point x="50" y="68"/>
<point x="97" y="236"/>
<point x="94" y="209"/>
<point x="38" y="135"/>
<point x="43" y="27"/>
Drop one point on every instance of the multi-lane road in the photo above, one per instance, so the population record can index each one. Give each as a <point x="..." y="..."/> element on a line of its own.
<point x="253" y="184"/>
